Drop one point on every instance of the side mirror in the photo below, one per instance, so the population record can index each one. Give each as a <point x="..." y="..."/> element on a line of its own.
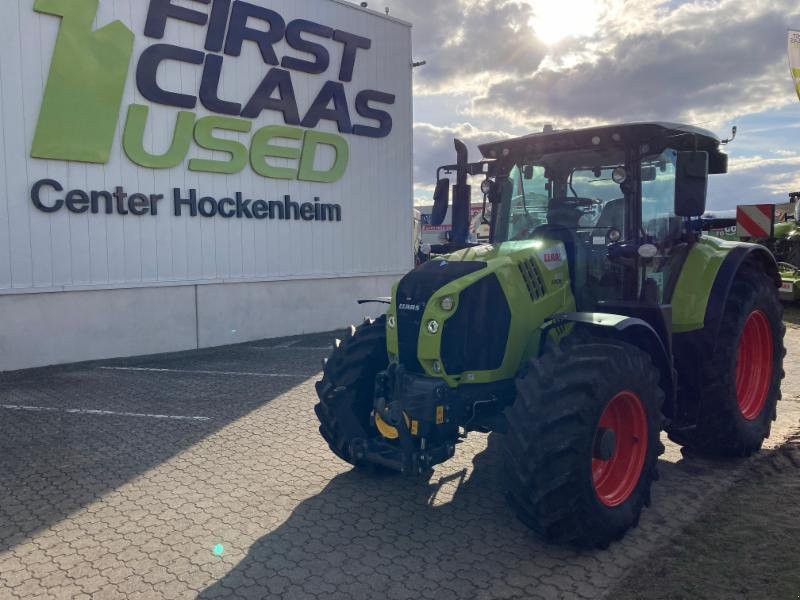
<point x="717" y="163"/>
<point x="441" y="200"/>
<point x="691" y="184"/>
<point x="648" y="174"/>
<point x="527" y="172"/>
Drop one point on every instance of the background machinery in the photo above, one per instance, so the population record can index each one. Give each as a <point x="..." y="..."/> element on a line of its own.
<point x="598" y="315"/>
<point x="776" y="227"/>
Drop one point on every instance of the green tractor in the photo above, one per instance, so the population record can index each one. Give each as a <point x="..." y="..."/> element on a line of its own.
<point x="785" y="245"/>
<point x="598" y="315"/>
<point x="788" y="231"/>
<point x="782" y="238"/>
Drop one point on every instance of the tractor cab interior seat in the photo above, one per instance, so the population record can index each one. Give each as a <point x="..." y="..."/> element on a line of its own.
<point x="559" y="213"/>
<point x="666" y="229"/>
<point x="613" y="215"/>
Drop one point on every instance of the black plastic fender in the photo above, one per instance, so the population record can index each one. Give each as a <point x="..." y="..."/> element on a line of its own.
<point x="632" y="330"/>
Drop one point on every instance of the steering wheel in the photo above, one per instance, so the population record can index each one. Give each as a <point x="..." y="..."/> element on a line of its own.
<point x="529" y="223"/>
<point x="572" y="202"/>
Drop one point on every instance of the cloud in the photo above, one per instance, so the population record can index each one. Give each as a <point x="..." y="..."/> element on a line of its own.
<point x="755" y="180"/>
<point x="468" y="40"/>
<point x="703" y="62"/>
<point x="706" y="62"/>
<point x="433" y="147"/>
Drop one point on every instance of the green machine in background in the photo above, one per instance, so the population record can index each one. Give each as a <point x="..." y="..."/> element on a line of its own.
<point x="785" y="245"/>
<point x="782" y="238"/>
<point x="598" y="316"/>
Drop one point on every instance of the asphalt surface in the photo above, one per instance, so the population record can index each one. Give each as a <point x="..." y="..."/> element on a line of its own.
<point x="202" y="475"/>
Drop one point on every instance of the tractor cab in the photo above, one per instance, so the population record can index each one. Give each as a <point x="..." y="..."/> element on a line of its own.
<point x="616" y="197"/>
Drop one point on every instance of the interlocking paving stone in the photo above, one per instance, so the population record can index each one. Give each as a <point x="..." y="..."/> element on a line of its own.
<point x="108" y="505"/>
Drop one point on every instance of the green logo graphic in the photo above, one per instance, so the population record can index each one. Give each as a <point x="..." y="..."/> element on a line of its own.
<point x="82" y="100"/>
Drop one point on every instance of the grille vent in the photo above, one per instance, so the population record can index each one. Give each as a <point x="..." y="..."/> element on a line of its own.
<point x="533" y="278"/>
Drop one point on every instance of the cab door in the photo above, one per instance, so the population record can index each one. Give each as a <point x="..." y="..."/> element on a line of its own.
<point x="660" y="228"/>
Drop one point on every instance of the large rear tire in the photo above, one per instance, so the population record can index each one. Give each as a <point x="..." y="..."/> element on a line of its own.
<point x="740" y="379"/>
<point x="346" y="391"/>
<point x="583" y="441"/>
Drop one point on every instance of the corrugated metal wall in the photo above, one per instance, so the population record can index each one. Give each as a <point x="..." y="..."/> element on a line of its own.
<point x="46" y="252"/>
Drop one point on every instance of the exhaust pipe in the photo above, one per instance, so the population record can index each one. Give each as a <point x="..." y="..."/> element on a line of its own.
<point x="462" y="197"/>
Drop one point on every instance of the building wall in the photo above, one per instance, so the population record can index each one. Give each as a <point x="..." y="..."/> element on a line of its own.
<point x="64" y="327"/>
<point x="63" y="273"/>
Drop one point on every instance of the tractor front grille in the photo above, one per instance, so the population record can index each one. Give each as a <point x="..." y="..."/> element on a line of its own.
<point x="474" y="339"/>
<point x="408" y="324"/>
<point x="413" y="294"/>
<point x="533" y="278"/>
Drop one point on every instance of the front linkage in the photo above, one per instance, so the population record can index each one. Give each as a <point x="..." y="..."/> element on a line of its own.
<point x="420" y="419"/>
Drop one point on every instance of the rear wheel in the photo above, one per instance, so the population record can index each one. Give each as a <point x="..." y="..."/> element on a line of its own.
<point x="346" y="391"/>
<point x="741" y="377"/>
<point x="583" y="441"/>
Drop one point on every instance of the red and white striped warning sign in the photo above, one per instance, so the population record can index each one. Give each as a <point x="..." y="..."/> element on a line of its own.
<point x="756" y="221"/>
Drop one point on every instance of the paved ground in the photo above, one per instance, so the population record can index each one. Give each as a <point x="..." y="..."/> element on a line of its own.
<point x="744" y="546"/>
<point x="121" y="479"/>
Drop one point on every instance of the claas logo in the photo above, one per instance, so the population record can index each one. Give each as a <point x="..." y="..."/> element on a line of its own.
<point x="552" y="257"/>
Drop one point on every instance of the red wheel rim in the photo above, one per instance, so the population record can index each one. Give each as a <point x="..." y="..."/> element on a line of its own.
<point x="616" y="478"/>
<point x="754" y="365"/>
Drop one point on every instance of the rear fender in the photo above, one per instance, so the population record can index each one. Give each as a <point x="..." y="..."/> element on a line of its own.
<point x="742" y="255"/>
<point x="706" y="278"/>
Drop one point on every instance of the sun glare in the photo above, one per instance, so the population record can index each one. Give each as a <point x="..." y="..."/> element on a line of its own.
<point x="555" y="20"/>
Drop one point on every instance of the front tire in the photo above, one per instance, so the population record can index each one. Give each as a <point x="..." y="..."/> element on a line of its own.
<point x="583" y="441"/>
<point x="346" y="391"/>
<point x="740" y="379"/>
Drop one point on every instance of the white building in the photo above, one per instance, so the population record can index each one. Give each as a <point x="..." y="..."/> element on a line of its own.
<point x="178" y="174"/>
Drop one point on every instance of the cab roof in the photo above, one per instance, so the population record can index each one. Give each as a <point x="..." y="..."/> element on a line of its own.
<point x="656" y="134"/>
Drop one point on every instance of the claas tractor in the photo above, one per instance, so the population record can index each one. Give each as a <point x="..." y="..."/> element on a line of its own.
<point x="598" y="316"/>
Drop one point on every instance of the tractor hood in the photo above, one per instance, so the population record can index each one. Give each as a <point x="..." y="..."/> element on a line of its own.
<point x="454" y="316"/>
<point x="490" y="252"/>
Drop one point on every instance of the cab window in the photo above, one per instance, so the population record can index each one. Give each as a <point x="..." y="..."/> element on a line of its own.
<point x="528" y="203"/>
<point x="659" y="223"/>
<point x="658" y="197"/>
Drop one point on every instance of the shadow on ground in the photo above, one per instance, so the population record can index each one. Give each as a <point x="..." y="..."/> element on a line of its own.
<point x="387" y="536"/>
<point x="52" y="462"/>
<point x="453" y="537"/>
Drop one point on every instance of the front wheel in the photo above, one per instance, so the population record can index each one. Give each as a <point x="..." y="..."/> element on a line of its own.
<point x="346" y="391"/>
<point x="583" y="441"/>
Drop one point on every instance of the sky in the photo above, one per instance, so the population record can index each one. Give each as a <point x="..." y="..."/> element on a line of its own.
<point x="509" y="67"/>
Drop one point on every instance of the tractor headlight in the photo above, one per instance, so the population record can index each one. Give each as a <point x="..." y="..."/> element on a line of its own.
<point x="433" y="327"/>
<point x="614" y="235"/>
<point x="447" y="303"/>
<point x="392" y="321"/>
<point x="486" y="186"/>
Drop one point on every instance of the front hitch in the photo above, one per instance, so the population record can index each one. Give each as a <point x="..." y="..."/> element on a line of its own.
<point x="414" y="406"/>
<point x="394" y="413"/>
